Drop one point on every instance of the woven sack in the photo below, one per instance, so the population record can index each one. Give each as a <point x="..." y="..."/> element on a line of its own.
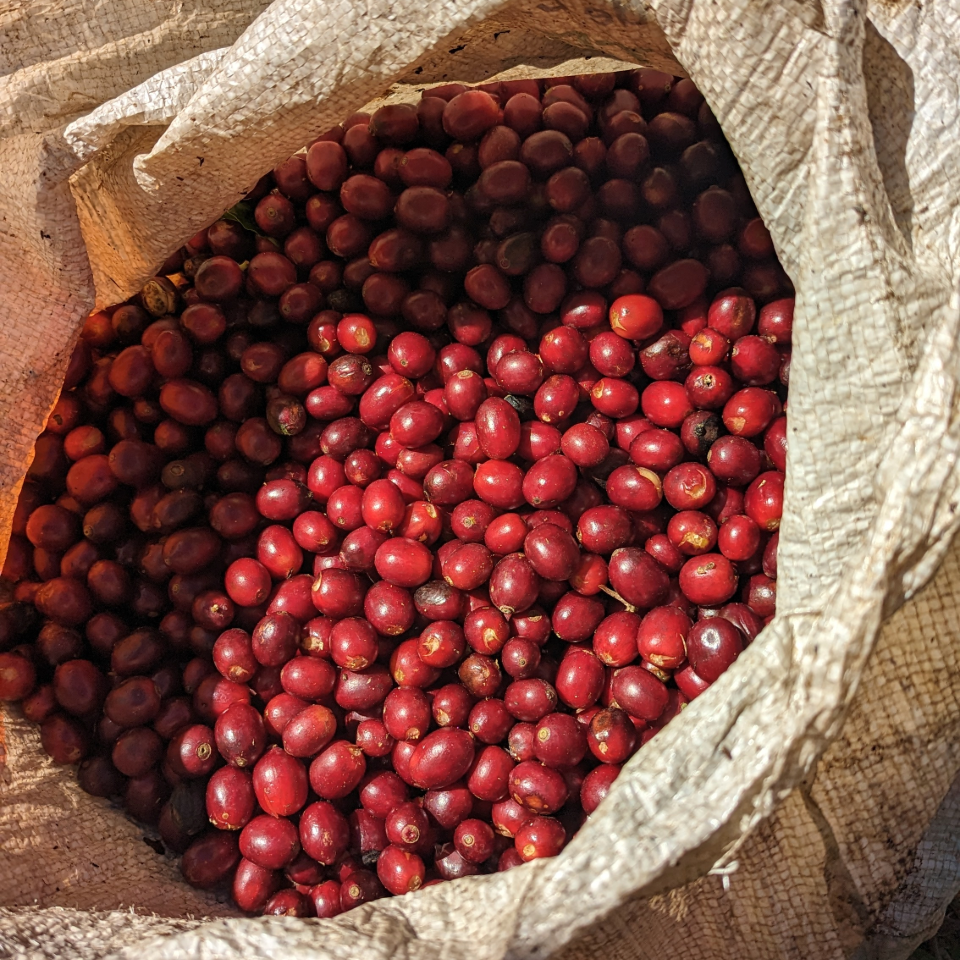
<point x="806" y="806"/>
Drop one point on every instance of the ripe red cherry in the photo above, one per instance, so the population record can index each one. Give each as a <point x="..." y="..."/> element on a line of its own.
<point x="520" y="658"/>
<point x="614" y="398"/>
<point x="505" y="534"/>
<point x="353" y="643"/>
<point x="563" y="350"/>
<point x="399" y="870"/>
<point x="634" y="488"/>
<point x="754" y="361"/>
<point x="537" y="788"/>
<point x="538" y="440"/>
<point x="309" y="731"/>
<point x="324" y="832"/>
<point x="441" y="644"/>
<point x="615" y="639"/>
<point x="408" y="670"/>
<point x="575" y="617"/>
<point x="540" y="837"/>
<point x="734" y="460"/>
<point x="611" y="736"/>
<point x="275" y="639"/>
<point x="489" y="721"/>
<point x="383" y="506"/>
<point x="474" y="840"/>
<point x="604" y="528"/>
<point x="210" y="858"/>
<point x="406" y="713"/>
<point x="689" y="486"/>
<point x="611" y="355"/>
<point x="389" y="609"/>
<point x="760" y="595"/>
<point x="738" y="538"/>
<point x="467" y="566"/>
<point x="585" y="445"/>
<point x="530" y="700"/>
<point x="230" y="798"/>
<point x="337" y="770"/>
<point x="280" y="783"/>
<point x="550" y="481"/>
<point x="763" y="501"/>
<point x="470" y="519"/>
<point x="661" y="638"/>
<point x="449" y="483"/>
<point x="499" y="483"/>
<point x="556" y="398"/>
<point x="637" y="577"/>
<point x="580" y="679"/>
<point x="770" y="556"/>
<point x="338" y="594"/>
<point x="708" y="580"/>
<point x="709" y="348"/>
<point x="408" y="826"/>
<point x="442" y="758"/>
<point x="692" y="532"/>
<point x="552" y="552"/>
<point x="636" y="317"/>
<point x="411" y="354"/>
<point x="657" y="450"/>
<point x="639" y="693"/>
<point x="666" y="403"/>
<point x="486" y="630"/>
<point x="514" y="584"/>
<point x="709" y="388"/>
<point x="775" y="443"/>
<point x="247" y="582"/>
<point x="240" y="735"/>
<point x="732" y="313"/>
<point x="750" y="411"/>
<point x="498" y="428"/>
<point x="520" y="373"/>
<point x="279" y="552"/>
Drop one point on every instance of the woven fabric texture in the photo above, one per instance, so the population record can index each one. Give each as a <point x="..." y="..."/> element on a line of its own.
<point x="804" y="806"/>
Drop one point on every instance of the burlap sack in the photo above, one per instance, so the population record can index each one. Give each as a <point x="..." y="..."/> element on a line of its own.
<point x="805" y="806"/>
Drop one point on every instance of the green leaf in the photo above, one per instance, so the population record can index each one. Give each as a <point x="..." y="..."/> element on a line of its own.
<point x="242" y="213"/>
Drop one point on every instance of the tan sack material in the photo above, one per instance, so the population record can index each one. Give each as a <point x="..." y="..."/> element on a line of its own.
<point x="802" y="808"/>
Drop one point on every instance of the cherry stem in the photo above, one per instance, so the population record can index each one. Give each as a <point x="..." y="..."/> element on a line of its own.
<point x="616" y="596"/>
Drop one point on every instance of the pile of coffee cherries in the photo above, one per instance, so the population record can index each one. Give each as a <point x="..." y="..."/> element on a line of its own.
<point x="413" y="497"/>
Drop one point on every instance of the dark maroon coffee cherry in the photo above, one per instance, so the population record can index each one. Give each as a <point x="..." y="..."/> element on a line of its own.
<point x="712" y="645"/>
<point x="64" y="739"/>
<point x="596" y="785"/>
<point x="537" y="788"/>
<point x="210" y="858"/>
<point x="561" y="742"/>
